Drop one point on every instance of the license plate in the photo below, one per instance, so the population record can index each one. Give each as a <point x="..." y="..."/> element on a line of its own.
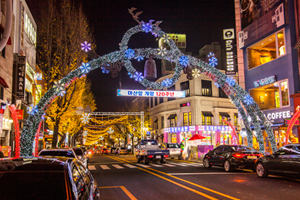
<point x="158" y="156"/>
<point x="252" y="157"/>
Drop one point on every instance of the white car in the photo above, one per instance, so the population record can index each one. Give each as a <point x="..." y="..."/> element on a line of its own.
<point x="174" y="148"/>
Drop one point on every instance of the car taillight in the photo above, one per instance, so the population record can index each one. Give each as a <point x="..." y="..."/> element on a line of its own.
<point x="238" y="155"/>
<point x="166" y="156"/>
<point x="150" y="156"/>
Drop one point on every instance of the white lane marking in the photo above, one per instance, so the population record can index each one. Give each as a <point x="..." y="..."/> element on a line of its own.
<point x="169" y="165"/>
<point x="130" y="166"/>
<point x="196" y="164"/>
<point x="92" y="167"/>
<point x="180" y="164"/>
<point x="104" y="167"/>
<point x="212" y="173"/>
<point x="143" y="165"/>
<point x="154" y="165"/>
<point x="118" y="166"/>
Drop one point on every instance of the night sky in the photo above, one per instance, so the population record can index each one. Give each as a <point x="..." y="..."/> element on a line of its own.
<point x="202" y="21"/>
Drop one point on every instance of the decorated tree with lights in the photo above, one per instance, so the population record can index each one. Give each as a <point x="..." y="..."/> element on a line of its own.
<point x="62" y="29"/>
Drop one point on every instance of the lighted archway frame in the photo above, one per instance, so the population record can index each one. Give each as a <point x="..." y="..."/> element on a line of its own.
<point x="240" y="98"/>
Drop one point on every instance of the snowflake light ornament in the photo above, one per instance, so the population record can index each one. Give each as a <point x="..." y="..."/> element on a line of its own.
<point x="184" y="61"/>
<point x="139" y="58"/>
<point x="43" y="116"/>
<point x="213" y="61"/>
<point x="110" y="131"/>
<point x="85" y="68"/>
<point x="101" y="138"/>
<point x="166" y="38"/>
<point x="130" y="75"/>
<point x="62" y="93"/>
<point x="85" y="118"/>
<point x="147" y="27"/>
<point x="138" y="76"/>
<point x="105" y="69"/>
<point x="230" y="81"/>
<point x="154" y="34"/>
<point x="129" y="53"/>
<point x="29" y="108"/>
<point x="59" y="86"/>
<point x="196" y="73"/>
<point x="34" y="110"/>
<point x="248" y="100"/>
<point x="84" y="133"/>
<point x="162" y="51"/>
<point x="217" y="85"/>
<point x="211" y="54"/>
<point x="85" y="46"/>
<point x="167" y="82"/>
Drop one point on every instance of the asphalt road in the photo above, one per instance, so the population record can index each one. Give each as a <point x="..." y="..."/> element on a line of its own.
<point x="120" y="177"/>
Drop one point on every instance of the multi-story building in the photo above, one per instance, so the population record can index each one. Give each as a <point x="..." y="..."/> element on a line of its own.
<point x="268" y="60"/>
<point x="6" y="83"/>
<point x="201" y="112"/>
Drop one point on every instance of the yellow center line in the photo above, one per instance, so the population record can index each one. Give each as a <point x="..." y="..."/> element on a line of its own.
<point x="124" y="190"/>
<point x="202" y="187"/>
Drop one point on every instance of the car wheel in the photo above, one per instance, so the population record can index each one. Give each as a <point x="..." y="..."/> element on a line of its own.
<point x="261" y="171"/>
<point x="206" y="163"/>
<point x="138" y="160"/>
<point x="227" y="166"/>
<point x="146" y="160"/>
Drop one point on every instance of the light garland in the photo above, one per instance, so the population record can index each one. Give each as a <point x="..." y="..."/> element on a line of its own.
<point x="241" y="99"/>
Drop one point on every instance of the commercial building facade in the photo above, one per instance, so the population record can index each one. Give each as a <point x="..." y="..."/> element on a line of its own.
<point x="266" y="39"/>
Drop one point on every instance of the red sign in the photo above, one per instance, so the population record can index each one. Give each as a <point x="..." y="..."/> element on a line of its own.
<point x="288" y="121"/>
<point x="19" y="114"/>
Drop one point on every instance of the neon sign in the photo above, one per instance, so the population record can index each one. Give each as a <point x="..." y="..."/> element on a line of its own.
<point x="150" y="93"/>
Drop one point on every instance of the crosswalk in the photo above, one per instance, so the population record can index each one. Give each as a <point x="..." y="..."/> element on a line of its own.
<point x="131" y="166"/>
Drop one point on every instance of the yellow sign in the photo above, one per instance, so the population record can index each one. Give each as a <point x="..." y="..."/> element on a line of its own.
<point x="179" y="39"/>
<point x="174" y="138"/>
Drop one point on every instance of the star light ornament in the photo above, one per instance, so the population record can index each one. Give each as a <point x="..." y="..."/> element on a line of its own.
<point x="196" y="73"/>
<point x="85" y="46"/>
<point x="85" y="118"/>
<point x="138" y="76"/>
<point x="85" y="68"/>
<point x="162" y="51"/>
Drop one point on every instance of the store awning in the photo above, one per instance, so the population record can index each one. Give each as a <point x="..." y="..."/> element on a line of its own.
<point x="273" y="125"/>
<point x="3" y="83"/>
<point x="172" y="116"/>
<point x="224" y="114"/>
<point x="207" y="114"/>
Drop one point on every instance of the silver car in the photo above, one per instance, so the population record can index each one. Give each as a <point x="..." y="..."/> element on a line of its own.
<point x="175" y="150"/>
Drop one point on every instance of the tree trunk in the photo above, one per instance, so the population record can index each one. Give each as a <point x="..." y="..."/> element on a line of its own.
<point x="55" y="135"/>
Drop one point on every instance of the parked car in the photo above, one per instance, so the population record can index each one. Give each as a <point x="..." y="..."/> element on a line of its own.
<point x="104" y="151"/>
<point x="121" y="151"/>
<point x="67" y="152"/>
<point x="46" y="178"/>
<point x="148" y="150"/>
<point x="175" y="150"/>
<point x="81" y="156"/>
<point x="285" y="161"/>
<point x="232" y="157"/>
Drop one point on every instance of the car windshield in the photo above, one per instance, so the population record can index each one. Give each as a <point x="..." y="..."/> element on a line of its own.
<point x="242" y="148"/>
<point x="78" y="152"/>
<point x="173" y="145"/>
<point x="57" y="153"/>
<point x="148" y="142"/>
<point x="32" y="185"/>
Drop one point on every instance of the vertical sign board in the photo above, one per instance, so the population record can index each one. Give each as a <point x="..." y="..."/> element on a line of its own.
<point x="21" y="71"/>
<point x="22" y="28"/>
<point x="230" y="54"/>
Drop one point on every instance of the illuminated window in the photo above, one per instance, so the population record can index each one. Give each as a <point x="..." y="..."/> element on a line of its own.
<point x="221" y="119"/>
<point x="206" y="88"/>
<point x="187" y="119"/>
<point x="274" y="95"/>
<point x="235" y="119"/>
<point x="266" y="50"/>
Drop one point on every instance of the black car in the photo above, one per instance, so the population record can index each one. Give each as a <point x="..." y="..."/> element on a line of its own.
<point x="285" y="162"/>
<point x="232" y="157"/>
<point x="46" y="178"/>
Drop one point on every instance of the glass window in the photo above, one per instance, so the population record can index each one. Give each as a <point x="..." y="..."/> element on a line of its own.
<point x="221" y="120"/>
<point x="78" y="181"/>
<point x="235" y="119"/>
<point x="185" y="86"/>
<point x="266" y="50"/>
<point x="203" y="119"/>
<point x="187" y="119"/>
<point x="271" y="96"/>
<point x="206" y="88"/>
<point x="161" y="99"/>
<point x="206" y="120"/>
<point x="162" y="122"/>
<point x="222" y="93"/>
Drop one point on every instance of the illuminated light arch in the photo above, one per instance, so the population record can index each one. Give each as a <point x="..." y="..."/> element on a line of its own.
<point x="291" y="124"/>
<point x="240" y="98"/>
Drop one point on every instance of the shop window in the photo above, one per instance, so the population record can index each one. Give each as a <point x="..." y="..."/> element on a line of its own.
<point x="222" y="93"/>
<point x="272" y="96"/>
<point x="171" y="89"/>
<point x="173" y="120"/>
<point x="206" y="88"/>
<point x="221" y="119"/>
<point x="266" y="50"/>
<point x="206" y="120"/>
<point x="187" y="119"/>
<point x="162" y="122"/>
<point x="185" y="86"/>
<point x="235" y="119"/>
